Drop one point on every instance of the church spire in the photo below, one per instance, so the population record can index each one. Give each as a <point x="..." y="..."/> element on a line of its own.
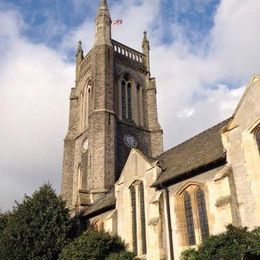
<point x="103" y="5"/>
<point x="103" y="24"/>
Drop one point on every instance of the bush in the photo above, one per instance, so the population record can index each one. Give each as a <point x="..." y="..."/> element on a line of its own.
<point x="121" y="256"/>
<point x="37" y="228"/>
<point x="235" y="243"/>
<point x="189" y="254"/>
<point x="94" y="245"/>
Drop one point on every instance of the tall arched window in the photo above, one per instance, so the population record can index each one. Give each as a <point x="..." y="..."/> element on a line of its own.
<point x="129" y="101"/>
<point x="84" y="106"/>
<point x="134" y="222"/>
<point x="257" y="136"/>
<point x="189" y="219"/>
<point x="81" y="113"/>
<point x="123" y="98"/>
<point x="203" y="219"/>
<point x="192" y="217"/>
<point x="142" y="211"/>
<point x="138" y="218"/>
<point x="126" y="98"/>
<point x="79" y="178"/>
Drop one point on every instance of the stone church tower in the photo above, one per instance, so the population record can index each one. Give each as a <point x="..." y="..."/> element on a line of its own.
<point x="112" y="110"/>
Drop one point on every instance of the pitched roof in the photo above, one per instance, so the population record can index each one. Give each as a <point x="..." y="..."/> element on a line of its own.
<point x="201" y="150"/>
<point x="102" y="205"/>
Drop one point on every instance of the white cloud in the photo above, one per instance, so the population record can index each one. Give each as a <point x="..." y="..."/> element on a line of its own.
<point x="193" y="80"/>
<point x="195" y="88"/>
<point x="35" y="83"/>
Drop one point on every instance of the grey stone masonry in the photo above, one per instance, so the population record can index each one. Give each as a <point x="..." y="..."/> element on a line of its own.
<point x="95" y="151"/>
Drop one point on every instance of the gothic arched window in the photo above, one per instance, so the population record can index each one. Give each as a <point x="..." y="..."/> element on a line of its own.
<point x="203" y="219"/>
<point x="189" y="219"/>
<point x="134" y="222"/>
<point x="142" y="210"/>
<point x="139" y="245"/>
<point x="126" y="98"/>
<point x="79" y="178"/>
<point x="257" y="137"/>
<point x="123" y="98"/>
<point x="129" y="101"/>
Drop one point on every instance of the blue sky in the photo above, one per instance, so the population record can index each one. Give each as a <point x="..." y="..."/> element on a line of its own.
<point x="47" y="21"/>
<point x="203" y="53"/>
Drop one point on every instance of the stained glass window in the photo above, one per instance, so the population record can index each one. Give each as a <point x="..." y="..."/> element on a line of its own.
<point x="142" y="210"/>
<point x="203" y="219"/>
<point x="189" y="219"/>
<point x="134" y="223"/>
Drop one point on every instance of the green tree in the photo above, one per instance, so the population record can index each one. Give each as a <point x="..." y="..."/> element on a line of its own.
<point x="3" y="221"/>
<point x="94" y="245"/>
<point x="123" y="255"/>
<point x="37" y="228"/>
<point x="235" y="243"/>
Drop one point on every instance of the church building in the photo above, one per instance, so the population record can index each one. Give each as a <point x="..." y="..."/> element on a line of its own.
<point x="116" y="174"/>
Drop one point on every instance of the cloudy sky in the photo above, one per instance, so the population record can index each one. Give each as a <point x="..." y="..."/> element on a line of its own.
<point x="203" y="53"/>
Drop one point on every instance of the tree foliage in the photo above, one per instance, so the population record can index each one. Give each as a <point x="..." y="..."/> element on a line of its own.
<point x="37" y="228"/>
<point x="235" y="243"/>
<point x="3" y="221"/>
<point x="94" y="245"/>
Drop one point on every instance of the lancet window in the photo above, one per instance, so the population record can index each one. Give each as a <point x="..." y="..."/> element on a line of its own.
<point x="189" y="219"/>
<point x="84" y="106"/>
<point x="134" y="223"/>
<point x="138" y="218"/>
<point x="202" y="212"/>
<point x="79" y="177"/>
<point x="126" y="98"/>
<point x="193" y="214"/>
<point x="142" y="213"/>
<point x="130" y="100"/>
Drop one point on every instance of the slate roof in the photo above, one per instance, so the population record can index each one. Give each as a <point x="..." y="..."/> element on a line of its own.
<point x="200" y="151"/>
<point x="102" y="205"/>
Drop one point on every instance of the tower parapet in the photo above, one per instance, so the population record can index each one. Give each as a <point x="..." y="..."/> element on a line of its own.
<point x="112" y="110"/>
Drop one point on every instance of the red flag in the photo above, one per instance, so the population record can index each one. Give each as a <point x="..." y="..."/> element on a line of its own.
<point x="117" y="22"/>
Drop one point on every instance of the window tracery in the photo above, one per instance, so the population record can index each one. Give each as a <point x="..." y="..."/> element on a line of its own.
<point x="192" y="214"/>
<point x="130" y="100"/>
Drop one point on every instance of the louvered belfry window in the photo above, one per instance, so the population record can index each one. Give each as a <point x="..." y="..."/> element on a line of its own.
<point x="123" y="99"/>
<point x="142" y="210"/>
<point x="129" y="101"/>
<point x="189" y="219"/>
<point x="126" y="98"/>
<point x="134" y="223"/>
<point x="203" y="219"/>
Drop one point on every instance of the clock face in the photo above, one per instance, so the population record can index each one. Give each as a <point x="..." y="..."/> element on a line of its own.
<point x="130" y="141"/>
<point x="85" y="146"/>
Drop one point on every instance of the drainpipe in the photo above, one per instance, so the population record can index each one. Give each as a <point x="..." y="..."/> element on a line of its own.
<point x="169" y="223"/>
